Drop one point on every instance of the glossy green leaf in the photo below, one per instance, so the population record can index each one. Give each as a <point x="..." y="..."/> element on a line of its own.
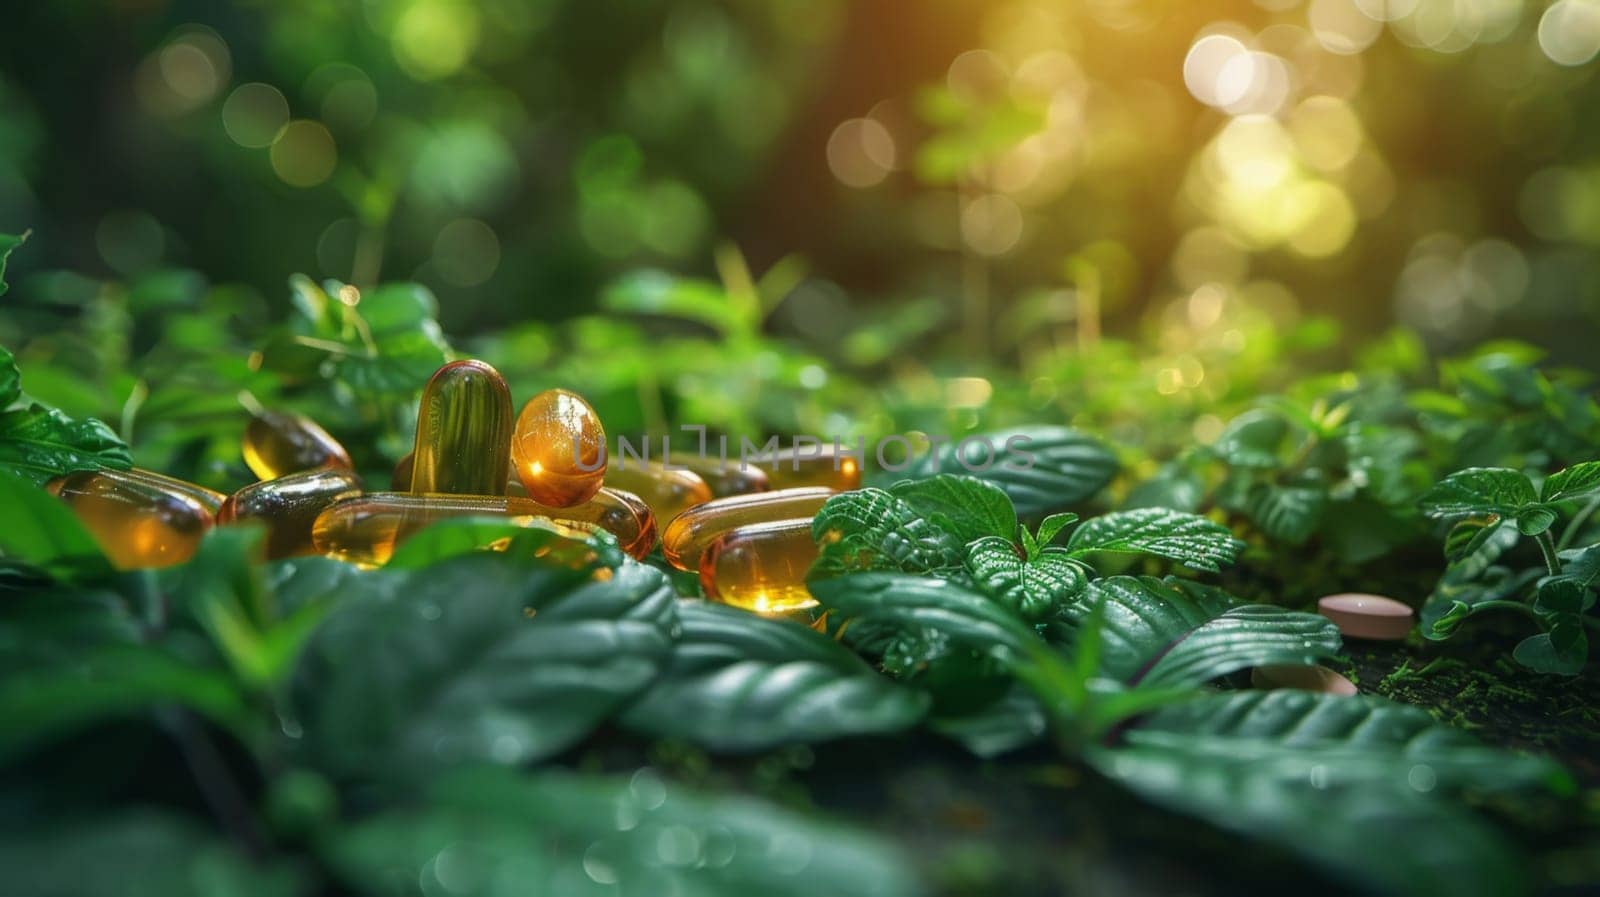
<point x="1252" y="440"/>
<point x="483" y="657"/>
<point x="965" y="506"/>
<point x="1163" y="633"/>
<point x="739" y="682"/>
<point x="1329" y="777"/>
<point x="498" y="834"/>
<point x="1562" y="651"/>
<point x="462" y="535"/>
<point x="915" y="602"/>
<point x="1043" y="469"/>
<point x="875" y="529"/>
<point x="1578" y="481"/>
<point x="1478" y="491"/>
<point x="1189" y="539"/>
<point x="1287" y="513"/>
<point x="1034" y="588"/>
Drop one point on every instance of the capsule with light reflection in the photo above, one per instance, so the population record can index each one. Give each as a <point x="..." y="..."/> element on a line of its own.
<point x="725" y="476"/>
<point x="277" y="443"/>
<point x="668" y="492"/>
<point x="463" y="444"/>
<point x="289" y="505"/>
<point x="687" y="537"/>
<point x="138" y="518"/>
<point x="367" y="528"/>
<point x="815" y="465"/>
<point x="559" y="449"/>
<point x="761" y="567"/>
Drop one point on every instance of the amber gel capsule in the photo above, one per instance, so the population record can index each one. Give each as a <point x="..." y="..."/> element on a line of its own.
<point x="559" y="449"/>
<point x="616" y="511"/>
<point x="688" y="536"/>
<point x="278" y="443"/>
<point x="365" y="529"/>
<point x="463" y="442"/>
<point x="761" y="567"/>
<point x="668" y="492"/>
<point x="210" y="499"/>
<point x="725" y="476"/>
<point x="289" y="505"/>
<point x="139" y="519"/>
<point x="817" y="465"/>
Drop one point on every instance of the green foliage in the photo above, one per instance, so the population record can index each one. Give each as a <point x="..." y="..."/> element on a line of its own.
<point x="1186" y="538"/>
<point x="738" y="683"/>
<point x="40" y="443"/>
<point x="8" y="243"/>
<point x="42" y="533"/>
<point x="1042" y="469"/>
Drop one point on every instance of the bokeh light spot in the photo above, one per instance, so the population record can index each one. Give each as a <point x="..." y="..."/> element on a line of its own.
<point x="466" y="252"/>
<point x="304" y="154"/>
<point x="861" y="152"/>
<point x="1569" y="31"/>
<point x="254" y="114"/>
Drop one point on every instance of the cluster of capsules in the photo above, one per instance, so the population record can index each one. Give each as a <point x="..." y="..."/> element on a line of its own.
<point x="745" y="529"/>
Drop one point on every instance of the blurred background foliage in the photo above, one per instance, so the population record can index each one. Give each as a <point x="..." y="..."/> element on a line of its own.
<point x="779" y="216"/>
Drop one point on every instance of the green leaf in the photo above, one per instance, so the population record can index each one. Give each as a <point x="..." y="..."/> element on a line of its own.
<point x="1477" y="491"/>
<point x="1534" y="519"/>
<point x="1564" y="594"/>
<point x="1189" y="539"/>
<point x="483" y="657"/>
<point x="492" y="833"/>
<point x="136" y="853"/>
<point x="1468" y="537"/>
<point x="1043" y="469"/>
<point x="1330" y="776"/>
<point x="874" y="529"/>
<point x="1562" y="651"/>
<point x="456" y="536"/>
<point x="1287" y="513"/>
<point x="1254" y="439"/>
<point x="42" y="532"/>
<point x="41" y="443"/>
<point x="739" y="682"/>
<point x="8" y="242"/>
<point x="1174" y="486"/>
<point x="916" y="602"/>
<point x="1173" y="632"/>
<point x="1578" y="481"/>
<point x="1009" y="722"/>
<point x="1053" y="525"/>
<point x="965" y="506"/>
<point x="1033" y="588"/>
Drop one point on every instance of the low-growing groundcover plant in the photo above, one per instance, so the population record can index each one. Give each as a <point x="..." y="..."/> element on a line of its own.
<point x="517" y="721"/>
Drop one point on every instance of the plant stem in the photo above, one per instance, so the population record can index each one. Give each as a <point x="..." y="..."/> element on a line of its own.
<point x="1518" y="606"/>
<point x="222" y="794"/>
<point x="1547" y="544"/>
<point x="1578" y="520"/>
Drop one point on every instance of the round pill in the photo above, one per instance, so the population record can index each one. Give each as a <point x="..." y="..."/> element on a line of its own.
<point x="1367" y="616"/>
<point x="1303" y="678"/>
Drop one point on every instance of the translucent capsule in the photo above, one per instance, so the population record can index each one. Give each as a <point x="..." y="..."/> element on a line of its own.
<point x="463" y="444"/>
<point x="366" y="529"/>
<point x="817" y="465"/>
<point x="617" y="511"/>
<point x="725" y="476"/>
<point x="278" y="443"/>
<point x="761" y="567"/>
<point x="668" y="492"/>
<point x="559" y="449"/>
<point x="139" y="518"/>
<point x="289" y="505"/>
<point x="690" y="533"/>
<point x="210" y="499"/>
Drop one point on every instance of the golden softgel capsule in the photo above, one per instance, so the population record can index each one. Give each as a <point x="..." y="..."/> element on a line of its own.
<point x="761" y="567"/>
<point x="366" y="529"/>
<point x="725" y="476"/>
<point x="278" y="443"/>
<point x="463" y="444"/>
<point x="619" y="512"/>
<point x="559" y="449"/>
<point x="817" y="465"/>
<point x="289" y="505"/>
<point x="139" y="518"/>
<point x="688" y="536"/>
<point x="668" y="492"/>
